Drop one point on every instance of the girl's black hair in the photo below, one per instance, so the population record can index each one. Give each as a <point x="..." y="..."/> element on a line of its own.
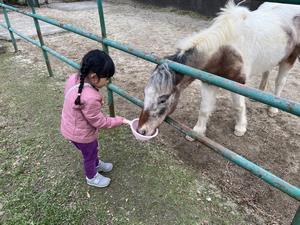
<point x="95" y="61"/>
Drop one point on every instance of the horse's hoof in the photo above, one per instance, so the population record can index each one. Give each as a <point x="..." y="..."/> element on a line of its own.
<point x="272" y="111"/>
<point x="189" y="138"/>
<point x="239" y="133"/>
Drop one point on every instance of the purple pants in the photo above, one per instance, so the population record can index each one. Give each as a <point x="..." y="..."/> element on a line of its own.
<point x="90" y="157"/>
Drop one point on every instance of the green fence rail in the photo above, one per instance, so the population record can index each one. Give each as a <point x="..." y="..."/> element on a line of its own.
<point x="296" y="2"/>
<point x="264" y="97"/>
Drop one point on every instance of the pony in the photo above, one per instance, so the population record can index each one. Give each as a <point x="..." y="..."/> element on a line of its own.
<point x="239" y="43"/>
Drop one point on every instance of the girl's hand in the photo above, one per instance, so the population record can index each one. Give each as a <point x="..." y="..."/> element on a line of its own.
<point x="126" y="121"/>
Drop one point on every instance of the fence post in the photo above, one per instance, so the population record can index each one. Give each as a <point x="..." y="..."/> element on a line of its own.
<point x="12" y="37"/>
<point x="36" y="3"/>
<point x="296" y="220"/>
<point x="39" y="33"/>
<point x="105" y="48"/>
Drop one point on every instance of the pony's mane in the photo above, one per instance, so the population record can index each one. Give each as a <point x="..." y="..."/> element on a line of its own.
<point x="163" y="78"/>
<point x="219" y="33"/>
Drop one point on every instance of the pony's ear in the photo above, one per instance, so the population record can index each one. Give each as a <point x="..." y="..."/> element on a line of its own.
<point x="179" y="58"/>
<point x="177" y="77"/>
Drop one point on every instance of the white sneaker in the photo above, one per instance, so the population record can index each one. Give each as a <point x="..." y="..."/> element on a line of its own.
<point x="98" y="181"/>
<point x="104" y="166"/>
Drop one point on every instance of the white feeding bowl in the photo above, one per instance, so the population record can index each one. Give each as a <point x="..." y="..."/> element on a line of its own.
<point x="134" y="125"/>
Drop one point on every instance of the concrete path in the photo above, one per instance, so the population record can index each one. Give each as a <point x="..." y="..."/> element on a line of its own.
<point x="25" y="24"/>
<point x="74" y="6"/>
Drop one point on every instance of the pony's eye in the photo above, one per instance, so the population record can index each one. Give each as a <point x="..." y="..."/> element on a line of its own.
<point x="162" y="99"/>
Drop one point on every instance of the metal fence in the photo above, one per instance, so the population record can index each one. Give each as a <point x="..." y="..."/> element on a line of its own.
<point x="261" y="96"/>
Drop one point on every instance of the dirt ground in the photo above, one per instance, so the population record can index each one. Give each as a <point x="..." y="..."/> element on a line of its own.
<point x="273" y="143"/>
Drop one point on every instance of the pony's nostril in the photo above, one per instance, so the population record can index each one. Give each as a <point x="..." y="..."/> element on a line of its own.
<point x="142" y="132"/>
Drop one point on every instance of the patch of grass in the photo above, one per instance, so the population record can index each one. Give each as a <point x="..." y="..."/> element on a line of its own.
<point x="42" y="181"/>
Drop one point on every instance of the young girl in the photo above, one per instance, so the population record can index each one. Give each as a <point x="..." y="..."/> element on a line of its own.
<point x="81" y="116"/>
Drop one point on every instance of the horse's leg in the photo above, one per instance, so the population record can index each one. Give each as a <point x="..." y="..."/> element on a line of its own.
<point x="240" y="114"/>
<point x="264" y="81"/>
<point x="279" y="84"/>
<point x="207" y="106"/>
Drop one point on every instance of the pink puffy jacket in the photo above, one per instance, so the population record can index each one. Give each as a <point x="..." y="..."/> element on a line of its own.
<point x="81" y="123"/>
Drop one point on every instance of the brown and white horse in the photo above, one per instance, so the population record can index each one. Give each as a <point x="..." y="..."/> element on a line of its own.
<point x="238" y="44"/>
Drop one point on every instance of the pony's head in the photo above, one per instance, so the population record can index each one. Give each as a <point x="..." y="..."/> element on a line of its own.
<point x="161" y="98"/>
<point x="163" y="90"/>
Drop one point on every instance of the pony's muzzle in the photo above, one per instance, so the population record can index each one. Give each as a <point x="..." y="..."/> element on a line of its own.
<point x="141" y="131"/>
